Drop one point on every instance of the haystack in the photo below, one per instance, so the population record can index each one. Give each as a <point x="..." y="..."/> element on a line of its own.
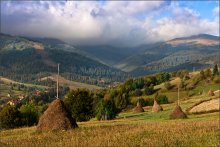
<point x="56" y="117"/>
<point x="211" y="93"/>
<point x="156" y="107"/>
<point x="138" y="108"/>
<point x="178" y="113"/>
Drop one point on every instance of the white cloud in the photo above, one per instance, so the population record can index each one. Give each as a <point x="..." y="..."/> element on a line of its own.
<point x="184" y="22"/>
<point x="124" y="23"/>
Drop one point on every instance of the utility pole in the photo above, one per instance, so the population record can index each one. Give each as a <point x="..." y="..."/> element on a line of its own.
<point x="58" y="70"/>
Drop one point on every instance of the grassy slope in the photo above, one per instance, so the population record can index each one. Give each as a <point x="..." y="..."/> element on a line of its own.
<point x="8" y="81"/>
<point x="129" y="129"/>
<point x="73" y="84"/>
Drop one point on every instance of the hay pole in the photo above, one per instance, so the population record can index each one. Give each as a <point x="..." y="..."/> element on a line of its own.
<point x="178" y="102"/>
<point x="58" y="70"/>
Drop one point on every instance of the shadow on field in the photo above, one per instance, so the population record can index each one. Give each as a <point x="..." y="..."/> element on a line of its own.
<point x="131" y="116"/>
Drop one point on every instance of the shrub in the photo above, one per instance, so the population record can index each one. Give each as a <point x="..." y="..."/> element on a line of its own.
<point x="9" y="117"/>
<point x="162" y="99"/>
<point x="149" y="101"/>
<point x="142" y="102"/>
<point x="136" y="92"/>
<point x="216" y="79"/>
<point x="80" y="103"/>
<point x="149" y="90"/>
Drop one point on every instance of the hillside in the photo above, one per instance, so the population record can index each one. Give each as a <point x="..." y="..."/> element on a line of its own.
<point x="195" y="51"/>
<point x="107" y="54"/>
<point x="141" y="129"/>
<point x="27" y="60"/>
<point x="97" y="65"/>
<point x="71" y="84"/>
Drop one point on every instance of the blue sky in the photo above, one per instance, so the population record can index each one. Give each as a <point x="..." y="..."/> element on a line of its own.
<point x="204" y="7"/>
<point x="119" y="23"/>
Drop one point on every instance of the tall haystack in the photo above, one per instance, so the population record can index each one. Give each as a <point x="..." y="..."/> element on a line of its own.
<point x="138" y="108"/>
<point x="56" y="117"/>
<point x="177" y="113"/>
<point x="156" y="107"/>
<point x="211" y="93"/>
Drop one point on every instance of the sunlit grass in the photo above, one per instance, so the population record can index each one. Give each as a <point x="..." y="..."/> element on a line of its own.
<point x="189" y="132"/>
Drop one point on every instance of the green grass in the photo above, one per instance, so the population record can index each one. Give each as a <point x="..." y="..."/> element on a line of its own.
<point x="205" y="88"/>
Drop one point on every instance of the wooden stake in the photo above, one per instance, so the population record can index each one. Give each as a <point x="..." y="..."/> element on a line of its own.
<point x="58" y="81"/>
<point x="179" y="95"/>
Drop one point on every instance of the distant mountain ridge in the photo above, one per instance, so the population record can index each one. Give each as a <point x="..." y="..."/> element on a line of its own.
<point x="165" y="56"/>
<point x="95" y="63"/>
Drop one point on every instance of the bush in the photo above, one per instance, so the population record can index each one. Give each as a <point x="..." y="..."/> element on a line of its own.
<point x="80" y="103"/>
<point x="142" y="102"/>
<point x="29" y="114"/>
<point x="162" y="99"/>
<point x="9" y="117"/>
<point x="106" y="110"/>
<point x="216" y="79"/>
<point x="149" y="101"/>
<point x="149" y="90"/>
<point x="136" y="92"/>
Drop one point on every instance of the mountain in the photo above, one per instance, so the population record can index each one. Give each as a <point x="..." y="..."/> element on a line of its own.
<point x="197" y="51"/>
<point x="107" y="54"/>
<point x="28" y="60"/>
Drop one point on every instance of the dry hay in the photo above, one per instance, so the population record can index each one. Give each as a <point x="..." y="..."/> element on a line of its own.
<point x="217" y="93"/>
<point x="211" y="93"/>
<point x="205" y="106"/>
<point x="56" y="117"/>
<point x="156" y="107"/>
<point x="177" y="113"/>
<point x="138" y="108"/>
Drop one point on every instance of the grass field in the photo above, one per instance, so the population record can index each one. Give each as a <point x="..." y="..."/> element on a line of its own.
<point x="129" y="129"/>
<point x="72" y="84"/>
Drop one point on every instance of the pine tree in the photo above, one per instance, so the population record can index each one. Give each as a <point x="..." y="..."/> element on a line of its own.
<point x="215" y="70"/>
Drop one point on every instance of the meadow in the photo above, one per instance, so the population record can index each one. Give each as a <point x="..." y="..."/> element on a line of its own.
<point x="128" y="129"/>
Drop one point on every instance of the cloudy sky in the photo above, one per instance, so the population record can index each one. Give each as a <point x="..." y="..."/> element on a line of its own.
<point x="118" y="23"/>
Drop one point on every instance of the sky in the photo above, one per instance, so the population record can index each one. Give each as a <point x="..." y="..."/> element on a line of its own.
<point x="116" y="23"/>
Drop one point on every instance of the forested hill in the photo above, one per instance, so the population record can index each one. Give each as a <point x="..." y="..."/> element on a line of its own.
<point x="199" y="51"/>
<point x="26" y="60"/>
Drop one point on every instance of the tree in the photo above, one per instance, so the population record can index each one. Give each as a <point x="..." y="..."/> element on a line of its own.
<point x="141" y="102"/>
<point x="207" y="73"/>
<point x="121" y="101"/>
<point x="162" y="99"/>
<point x="215" y="70"/>
<point x="29" y="114"/>
<point x="80" y="103"/>
<point x="9" y="117"/>
<point x="149" y="90"/>
<point x="106" y="110"/>
<point x="202" y="74"/>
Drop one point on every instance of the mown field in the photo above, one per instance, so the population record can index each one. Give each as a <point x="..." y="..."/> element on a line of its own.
<point x="129" y="129"/>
